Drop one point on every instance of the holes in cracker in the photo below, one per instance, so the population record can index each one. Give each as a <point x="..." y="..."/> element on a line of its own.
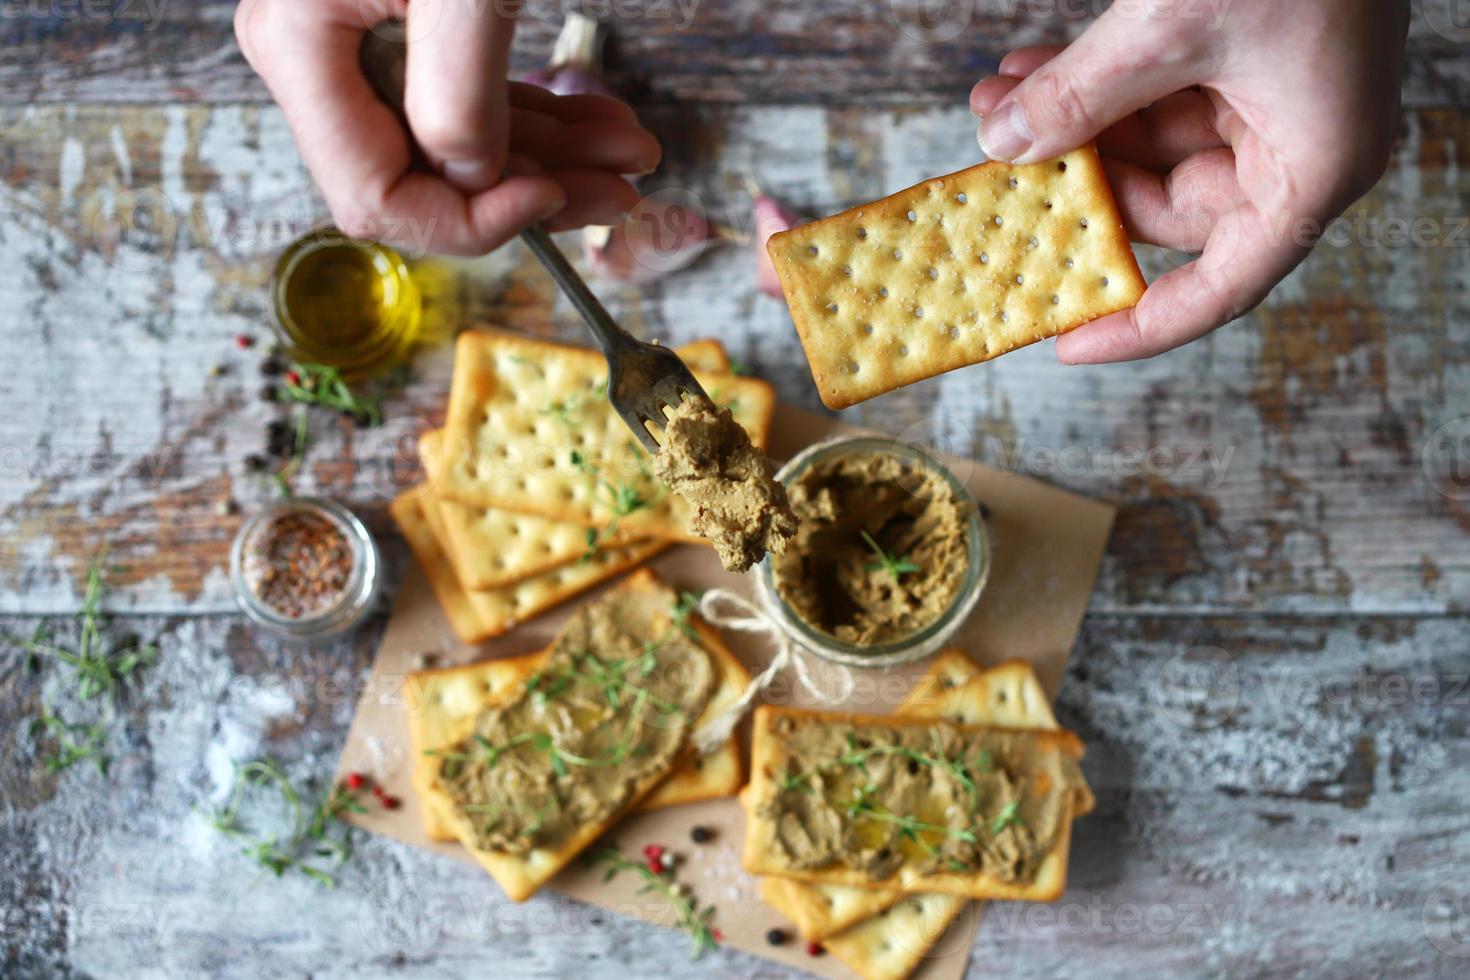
<point x="1055" y="299"/>
<point x="898" y="255"/>
<point x="912" y="217"/>
<point x="1014" y="183"/>
<point x="954" y="333"/>
<point x="933" y="273"/>
<point x="1020" y="280"/>
<point x="1083" y="222"/>
<point x="868" y="329"/>
<point x="984" y="258"/>
<point x="1062" y="166"/>
<point x="882" y="292"/>
<point x="852" y="367"/>
<point x="862" y="233"/>
<point x="1071" y="263"/>
<point x="1046" y="204"/>
<point x="1034" y="242"/>
<point x="903" y="350"/>
<point x="831" y="307"/>
<point x="812" y="250"/>
<point x="918" y="313"/>
<point x="1105" y="282"/>
<point x="960" y="198"/>
<point x="999" y="221"/>
<point x="847" y="271"/>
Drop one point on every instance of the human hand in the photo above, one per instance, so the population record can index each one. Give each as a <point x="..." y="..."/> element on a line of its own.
<point x="1236" y="129"/>
<point x="505" y="154"/>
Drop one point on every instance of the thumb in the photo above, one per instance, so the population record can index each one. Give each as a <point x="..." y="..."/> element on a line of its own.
<point x="455" y="91"/>
<point x="1122" y="63"/>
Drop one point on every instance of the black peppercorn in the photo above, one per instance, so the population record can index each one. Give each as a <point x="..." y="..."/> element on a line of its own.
<point x="268" y="393"/>
<point x="254" y="463"/>
<point x="984" y="511"/>
<point x="701" y="835"/>
<point x="776" y="937"/>
<point x="272" y="366"/>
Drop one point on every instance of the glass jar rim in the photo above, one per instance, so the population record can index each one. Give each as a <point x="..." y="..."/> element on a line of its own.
<point x="356" y="595"/>
<point x="922" y="642"/>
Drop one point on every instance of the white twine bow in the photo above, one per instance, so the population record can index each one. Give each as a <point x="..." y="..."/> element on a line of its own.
<point x="750" y="618"/>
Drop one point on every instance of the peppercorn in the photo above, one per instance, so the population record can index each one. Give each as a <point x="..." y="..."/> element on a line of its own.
<point x="776" y="937"/>
<point x="292" y="378"/>
<point x="356" y="780"/>
<point x="656" y="866"/>
<point x="268" y="393"/>
<point x="255" y="463"/>
<point x="272" y="366"/>
<point x="719" y="935"/>
<point x="217" y="370"/>
<point x="280" y="440"/>
<point x="391" y="802"/>
<point x="653" y="852"/>
<point x="984" y="511"/>
<point x="244" y="341"/>
<point x="701" y="835"/>
<point x="815" y="949"/>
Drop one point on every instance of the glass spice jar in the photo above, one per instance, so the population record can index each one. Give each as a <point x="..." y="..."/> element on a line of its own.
<point x="305" y="569"/>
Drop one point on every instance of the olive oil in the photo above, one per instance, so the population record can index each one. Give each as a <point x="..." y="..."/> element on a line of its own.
<point x="345" y="302"/>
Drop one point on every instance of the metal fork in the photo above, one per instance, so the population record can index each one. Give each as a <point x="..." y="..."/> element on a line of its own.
<point x="644" y="380"/>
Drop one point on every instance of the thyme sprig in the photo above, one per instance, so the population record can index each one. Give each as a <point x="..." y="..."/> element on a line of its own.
<point x="625" y="498"/>
<point x="309" y="834"/>
<point x="96" y="671"/>
<point x="322" y="385"/>
<point x="75" y="742"/>
<point x="97" y="674"/>
<point x="1009" y="815"/>
<point x="894" y="565"/>
<point x="689" y="915"/>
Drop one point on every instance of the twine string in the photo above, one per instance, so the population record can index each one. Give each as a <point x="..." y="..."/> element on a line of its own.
<point x="731" y="610"/>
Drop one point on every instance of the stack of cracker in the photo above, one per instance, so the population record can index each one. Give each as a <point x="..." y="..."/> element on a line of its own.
<point x="887" y="932"/>
<point x="536" y="490"/>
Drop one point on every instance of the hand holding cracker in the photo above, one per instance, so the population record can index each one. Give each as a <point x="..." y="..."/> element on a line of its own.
<point x="1238" y="132"/>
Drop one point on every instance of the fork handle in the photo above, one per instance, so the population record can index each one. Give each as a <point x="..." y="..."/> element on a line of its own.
<point x="610" y="336"/>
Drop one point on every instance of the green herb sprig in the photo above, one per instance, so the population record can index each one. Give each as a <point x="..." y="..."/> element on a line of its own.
<point x="97" y="674"/>
<point x="689" y="915"/>
<point x="625" y="497"/>
<point x="75" y="742"/>
<point x="892" y="564"/>
<point x="322" y="385"/>
<point x="309" y="836"/>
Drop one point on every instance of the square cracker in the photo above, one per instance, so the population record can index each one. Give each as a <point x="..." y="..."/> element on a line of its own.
<point x="490" y="547"/>
<point x="760" y="857"/>
<point x="478" y="616"/>
<point x="954" y="271"/>
<point x="954" y="688"/>
<point x="530" y="429"/>
<point x="440" y="700"/>
<point x="521" y="875"/>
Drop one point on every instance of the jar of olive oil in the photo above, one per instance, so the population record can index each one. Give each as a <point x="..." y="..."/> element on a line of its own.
<point x="345" y="302"/>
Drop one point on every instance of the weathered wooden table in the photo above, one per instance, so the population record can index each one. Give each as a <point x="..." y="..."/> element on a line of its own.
<point x="1272" y="678"/>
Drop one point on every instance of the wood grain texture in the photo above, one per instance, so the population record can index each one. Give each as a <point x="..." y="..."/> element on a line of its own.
<point x="1292" y="809"/>
<point x="1272" y="679"/>
<point x="1276" y="465"/>
<point x="854" y="52"/>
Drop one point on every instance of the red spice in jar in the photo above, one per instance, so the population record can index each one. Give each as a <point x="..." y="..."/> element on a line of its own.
<point x="298" y="564"/>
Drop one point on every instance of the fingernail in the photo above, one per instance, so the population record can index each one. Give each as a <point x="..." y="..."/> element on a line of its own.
<point x="552" y="210"/>
<point x="471" y="176"/>
<point x="1005" y="134"/>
